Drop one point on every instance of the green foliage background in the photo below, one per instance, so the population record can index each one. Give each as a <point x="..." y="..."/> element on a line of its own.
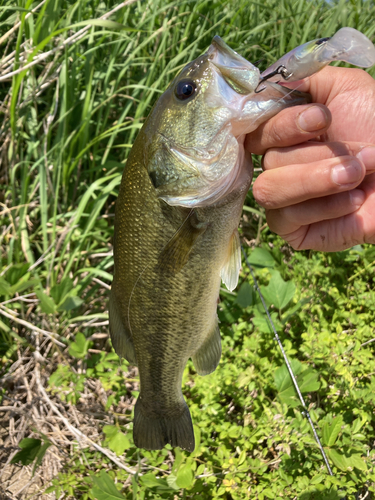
<point x="68" y="123"/>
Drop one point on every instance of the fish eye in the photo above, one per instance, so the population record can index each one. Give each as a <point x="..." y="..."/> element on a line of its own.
<point x="185" y="89"/>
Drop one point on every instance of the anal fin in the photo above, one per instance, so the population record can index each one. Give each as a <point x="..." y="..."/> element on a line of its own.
<point x="121" y="338"/>
<point x="208" y="355"/>
<point x="231" y="269"/>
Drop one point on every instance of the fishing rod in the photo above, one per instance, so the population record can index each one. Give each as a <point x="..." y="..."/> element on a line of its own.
<point x="305" y="411"/>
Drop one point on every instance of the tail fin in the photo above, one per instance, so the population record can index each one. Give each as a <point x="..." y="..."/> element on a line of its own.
<point x="154" y="432"/>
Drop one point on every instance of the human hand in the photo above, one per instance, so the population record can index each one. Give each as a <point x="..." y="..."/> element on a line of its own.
<point x="317" y="186"/>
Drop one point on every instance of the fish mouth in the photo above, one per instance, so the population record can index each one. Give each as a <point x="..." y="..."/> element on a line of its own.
<point x="242" y="76"/>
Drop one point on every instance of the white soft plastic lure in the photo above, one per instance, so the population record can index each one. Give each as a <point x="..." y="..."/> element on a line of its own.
<point x="347" y="45"/>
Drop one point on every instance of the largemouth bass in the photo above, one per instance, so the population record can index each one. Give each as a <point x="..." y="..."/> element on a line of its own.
<point x="176" y="234"/>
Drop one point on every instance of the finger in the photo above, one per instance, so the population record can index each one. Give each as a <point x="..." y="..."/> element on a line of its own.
<point x="340" y="233"/>
<point x="318" y="151"/>
<point x="281" y="187"/>
<point x="286" y="221"/>
<point x="289" y="127"/>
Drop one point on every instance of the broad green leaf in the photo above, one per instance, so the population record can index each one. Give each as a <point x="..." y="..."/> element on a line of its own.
<point x="22" y="285"/>
<point x="246" y="295"/>
<point x="70" y="302"/>
<point x="291" y="311"/>
<point x="261" y="257"/>
<point x="278" y="292"/>
<point x="179" y="457"/>
<point x="135" y="485"/>
<point x="79" y="348"/>
<point x="318" y="479"/>
<point x="307" y="381"/>
<point x="171" y="480"/>
<point x="260" y="321"/>
<point x="242" y="457"/>
<point x="116" y="440"/>
<point x="269" y="493"/>
<point x="47" y="304"/>
<point x="331" y="431"/>
<point x="357" y="462"/>
<point x="59" y="291"/>
<point x="4" y="286"/>
<point x="197" y="438"/>
<point x="41" y="453"/>
<point x="29" y="450"/>
<point x="16" y="272"/>
<point x="120" y="443"/>
<point x="357" y="425"/>
<point x="338" y="459"/>
<point x="150" y="481"/>
<point x="282" y="377"/>
<point x="105" y="488"/>
<point x="110" y="431"/>
<point x="185" y="476"/>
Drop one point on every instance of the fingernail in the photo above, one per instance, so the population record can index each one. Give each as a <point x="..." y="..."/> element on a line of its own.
<point x="367" y="157"/>
<point x="347" y="172"/>
<point x="357" y="197"/>
<point x="314" y="118"/>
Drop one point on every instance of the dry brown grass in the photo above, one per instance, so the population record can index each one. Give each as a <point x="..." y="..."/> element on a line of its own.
<point x="29" y="409"/>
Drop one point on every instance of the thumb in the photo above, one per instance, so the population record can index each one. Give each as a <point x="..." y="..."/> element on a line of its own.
<point x="289" y="127"/>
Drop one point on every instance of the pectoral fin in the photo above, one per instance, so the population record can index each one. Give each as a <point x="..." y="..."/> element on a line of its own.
<point x="176" y="253"/>
<point x="208" y="355"/>
<point x="121" y="338"/>
<point x="231" y="269"/>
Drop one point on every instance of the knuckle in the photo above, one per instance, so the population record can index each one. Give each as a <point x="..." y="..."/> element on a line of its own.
<point x="269" y="160"/>
<point x="273" y="217"/>
<point x="276" y="131"/>
<point x="297" y="239"/>
<point x="262" y="192"/>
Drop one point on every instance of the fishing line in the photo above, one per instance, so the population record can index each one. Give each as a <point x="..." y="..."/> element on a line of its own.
<point x="305" y="411"/>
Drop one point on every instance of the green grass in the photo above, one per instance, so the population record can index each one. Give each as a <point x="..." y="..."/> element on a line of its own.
<point x="68" y="123"/>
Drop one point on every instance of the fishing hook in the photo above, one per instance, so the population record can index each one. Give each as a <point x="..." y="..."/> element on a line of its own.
<point x="281" y="70"/>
